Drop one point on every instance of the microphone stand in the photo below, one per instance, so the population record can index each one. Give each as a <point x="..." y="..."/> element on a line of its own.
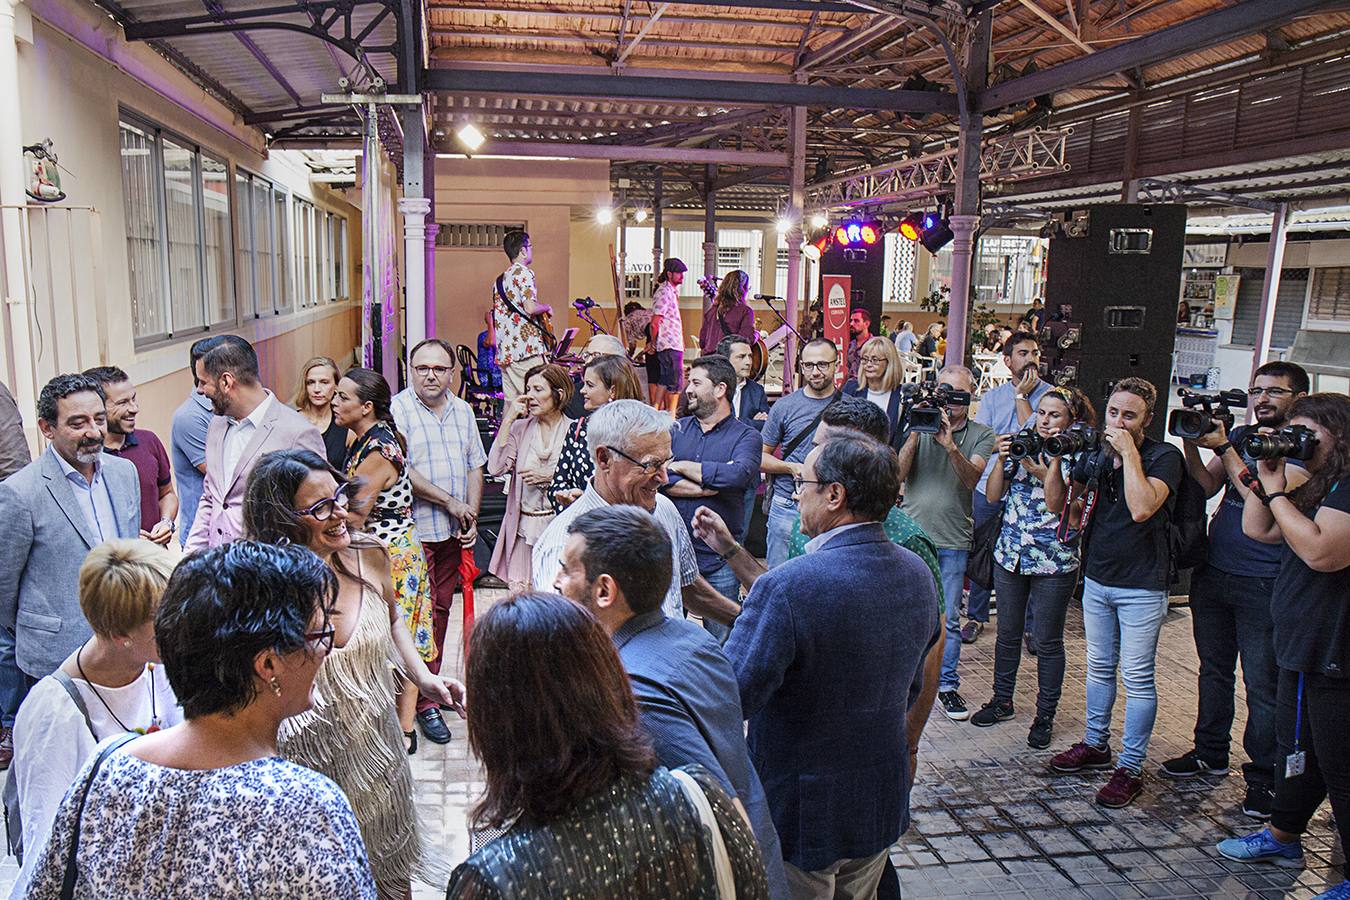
<point x="585" y="313"/>
<point x="782" y="318"/>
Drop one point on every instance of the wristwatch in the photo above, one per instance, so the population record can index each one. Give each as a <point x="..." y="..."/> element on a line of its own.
<point x="726" y="557"/>
<point x="1269" y="498"/>
<point x="1223" y="448"/>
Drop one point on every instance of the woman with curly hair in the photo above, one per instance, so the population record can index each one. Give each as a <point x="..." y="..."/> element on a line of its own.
<point x="1309" y="512"/>
<point x="729" y="313"/>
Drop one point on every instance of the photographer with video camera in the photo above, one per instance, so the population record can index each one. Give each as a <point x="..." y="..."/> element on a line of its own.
<point x="1035" y="560"/>
<point x="941" y="461"/>
<point x="1128" y="487"/>
<point x="1310" y="513"/>
<point x="1230" y="593"/>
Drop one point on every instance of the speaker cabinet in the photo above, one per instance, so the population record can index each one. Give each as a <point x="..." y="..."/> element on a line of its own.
<point x="1111" y="299"/>
<point x="868" y="268"/>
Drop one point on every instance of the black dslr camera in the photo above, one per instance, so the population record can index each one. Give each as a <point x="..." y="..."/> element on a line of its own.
<point x="1292" y="442"/>
<point x="1191" y="424"/>
<point x="923" y="405"/>
<point x="1025" y="443"/>
<point x="1079" y="437"/>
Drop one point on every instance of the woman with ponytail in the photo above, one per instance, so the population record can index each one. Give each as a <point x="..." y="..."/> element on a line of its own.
<point x="382" y="506"/>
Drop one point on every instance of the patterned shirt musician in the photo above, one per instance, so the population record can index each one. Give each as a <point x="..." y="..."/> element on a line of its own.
<point x="517" y="338"/>
<point x="666" y="304"/>
<point x="1027" y="541"/>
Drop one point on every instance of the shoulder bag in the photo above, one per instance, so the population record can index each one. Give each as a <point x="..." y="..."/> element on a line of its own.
<point x="72" y="866"/>
<point x="793" y="445"/>
<point x="726" y="879"/>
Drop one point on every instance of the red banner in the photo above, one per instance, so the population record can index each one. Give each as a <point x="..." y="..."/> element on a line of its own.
<point x="838" y="289"/>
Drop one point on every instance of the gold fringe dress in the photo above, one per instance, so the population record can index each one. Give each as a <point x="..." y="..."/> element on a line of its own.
<point x="352" y="735"/>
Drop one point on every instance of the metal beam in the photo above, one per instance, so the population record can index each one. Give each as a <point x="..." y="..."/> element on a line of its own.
<point x="1242" y="18"/>
<point x="1051" y="20"/>
<point x="635" y="154"/>
<point x="642" y="33"/>
<point x="849" y="42"/>
<point x="693" y="90"/>
<point x="792" y="5"/>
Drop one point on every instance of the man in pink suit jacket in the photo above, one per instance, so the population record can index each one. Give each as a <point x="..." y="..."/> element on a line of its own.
<point x="249" y="422"/>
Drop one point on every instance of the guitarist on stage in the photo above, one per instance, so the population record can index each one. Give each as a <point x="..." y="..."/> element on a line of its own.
<point x="523" y="336"/>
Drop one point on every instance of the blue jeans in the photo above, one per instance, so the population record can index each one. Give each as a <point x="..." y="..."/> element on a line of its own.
<point x="1121" y="626"/>
<point x="725" y="582"/>
<point x="781" y="516"/>
<point x="953" y="566"/>
<point x="13" y="683"/>
<point x="750" y="497"/>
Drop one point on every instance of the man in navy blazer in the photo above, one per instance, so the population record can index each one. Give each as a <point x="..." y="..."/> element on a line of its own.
<point x="617" y="563"/>
<point x="828" y="654"/>
<point x="52" y="513"/>
<point x="749" y="404"/>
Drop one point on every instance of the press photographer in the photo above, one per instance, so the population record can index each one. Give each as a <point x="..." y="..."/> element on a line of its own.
<point x="1230" y="592"/>
<point x="1128" y="489"/>
<point x="1035" y="561"/>
<point x="941" y="461"/>
<point x="1310" y="512"/>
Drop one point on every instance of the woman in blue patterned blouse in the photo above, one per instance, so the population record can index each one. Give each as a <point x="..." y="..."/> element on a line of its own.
<point x="1035" y="565"/>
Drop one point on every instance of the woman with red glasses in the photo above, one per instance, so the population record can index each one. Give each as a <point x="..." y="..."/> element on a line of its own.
<point x="352" y="734"/>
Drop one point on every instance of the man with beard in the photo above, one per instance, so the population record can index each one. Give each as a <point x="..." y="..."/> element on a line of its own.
<point x="1230" y="603"/>
<point x="616" y="563"/>
<point x="859" y="332"/>
<point x="159" y="503"/>
<point x="1130" y="488"/>
<point x="1006" y="409"/>
<point x="52" y="512"/>
<point x="249" y="422"/>
<point x="630" y="444"/>
<point x="716" y="460"/>
<point x="792" y="421"/>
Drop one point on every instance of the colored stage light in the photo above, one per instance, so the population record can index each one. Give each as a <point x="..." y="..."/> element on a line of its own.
<point x="870" y="234"/>
<point x="841" y="236"/>
<point x="910" y="228"/>
<point x="936" y="236"/>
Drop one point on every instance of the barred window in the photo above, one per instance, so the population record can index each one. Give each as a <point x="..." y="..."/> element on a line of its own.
<point x="1330" y="298"/>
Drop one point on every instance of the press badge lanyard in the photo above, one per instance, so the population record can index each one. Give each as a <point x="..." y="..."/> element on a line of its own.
<point x="1296" y="762"/>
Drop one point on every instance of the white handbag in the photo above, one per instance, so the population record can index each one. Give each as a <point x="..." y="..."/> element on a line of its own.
<point x="726" y="880"/>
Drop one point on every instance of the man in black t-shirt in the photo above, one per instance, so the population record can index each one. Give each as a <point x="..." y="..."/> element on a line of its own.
<point x="1130" y="488"/>
<point x="1230" y="603"/>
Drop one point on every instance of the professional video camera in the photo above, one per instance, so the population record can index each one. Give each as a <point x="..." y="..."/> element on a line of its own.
<point x="1191" y="424"/>
<point x="923" y="405"/>
<point x="1293" y="442"/>
<point x="1078" y="438"/>
<point x="1025" y="443"/>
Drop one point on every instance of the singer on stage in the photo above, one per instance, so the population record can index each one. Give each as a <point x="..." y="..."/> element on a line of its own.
<point x="728" y="314"/>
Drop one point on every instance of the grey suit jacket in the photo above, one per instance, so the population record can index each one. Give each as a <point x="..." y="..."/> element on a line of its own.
<point x="44" y="538"/>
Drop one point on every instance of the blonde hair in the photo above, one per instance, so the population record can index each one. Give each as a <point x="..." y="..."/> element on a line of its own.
<point x="895" y="373"/>
<point x="121" y="583"/>
<point x="301" y="399"/>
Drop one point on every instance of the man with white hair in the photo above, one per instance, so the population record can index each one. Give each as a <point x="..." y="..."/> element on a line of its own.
<point x="630" y="444"/>
<point x="940" y="472"/>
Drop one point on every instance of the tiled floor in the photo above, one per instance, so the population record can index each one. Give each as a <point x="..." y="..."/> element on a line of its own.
<point x="989" y="822"/>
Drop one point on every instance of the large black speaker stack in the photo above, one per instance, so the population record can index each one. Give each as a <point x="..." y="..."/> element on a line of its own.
<point x="1111" y="299"/>
<point x="868" y="267"/>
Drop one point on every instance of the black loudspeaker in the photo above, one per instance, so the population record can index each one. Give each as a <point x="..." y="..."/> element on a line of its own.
<point x="1111" y="300"/>
<point x="867" y="265"/>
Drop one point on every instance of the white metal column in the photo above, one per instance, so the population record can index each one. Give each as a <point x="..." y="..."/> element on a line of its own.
<point x="414" y="210"/>
<point x="1270" y="288"/>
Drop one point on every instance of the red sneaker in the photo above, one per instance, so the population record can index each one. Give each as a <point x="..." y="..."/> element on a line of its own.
<point x="1079" y="757"/>
<point x="1123" y="787"/>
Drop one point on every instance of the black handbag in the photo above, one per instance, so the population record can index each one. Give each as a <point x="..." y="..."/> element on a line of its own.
<point x="980" y="562"/>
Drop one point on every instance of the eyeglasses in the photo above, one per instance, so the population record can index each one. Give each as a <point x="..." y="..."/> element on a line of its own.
<point x="322" y="638"/>
<point x="1274" y="393"/>
<point x="798" y="481"/>
<point x="879" y="360"/>
<point x="324" y="509"/>
<point x="438" y="371"/>
<point x="648" y="468"/>
<point x="819" y="366"/>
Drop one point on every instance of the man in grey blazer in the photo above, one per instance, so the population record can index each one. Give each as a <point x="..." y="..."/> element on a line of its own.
<point x="249" y="422"/>
<point x="52" y="513"/>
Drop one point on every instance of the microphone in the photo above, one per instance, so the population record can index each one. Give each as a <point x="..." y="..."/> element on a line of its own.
<point x="767" y="297"/>
<point x="584" y="303"/>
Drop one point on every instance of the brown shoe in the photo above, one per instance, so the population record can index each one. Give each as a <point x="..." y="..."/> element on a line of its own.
<point x="1079" y="757"/>
<point x="1124" y="786"/>
<point x="6" y="747"/>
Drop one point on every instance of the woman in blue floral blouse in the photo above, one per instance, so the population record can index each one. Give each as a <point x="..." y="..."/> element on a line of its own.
<point x="1035" y="564"/>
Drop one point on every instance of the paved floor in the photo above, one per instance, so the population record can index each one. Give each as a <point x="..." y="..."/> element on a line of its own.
<point x="989" y="822"/>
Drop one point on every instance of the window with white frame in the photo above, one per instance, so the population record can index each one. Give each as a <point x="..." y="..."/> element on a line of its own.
<point x="177" y="208"/>
<point x="340" y="261"/>
<point x="307" y="291"/>
<point x="281" y="248"/>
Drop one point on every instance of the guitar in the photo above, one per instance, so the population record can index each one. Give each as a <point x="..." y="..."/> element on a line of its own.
<point x="542" y="322"/>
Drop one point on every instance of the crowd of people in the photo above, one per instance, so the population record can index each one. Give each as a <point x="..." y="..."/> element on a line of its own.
<point x="217" y="656"/>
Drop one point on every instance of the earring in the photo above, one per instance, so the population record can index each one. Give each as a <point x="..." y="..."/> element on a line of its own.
<point x="127" y="644"/>
<point x="276" y="687"/>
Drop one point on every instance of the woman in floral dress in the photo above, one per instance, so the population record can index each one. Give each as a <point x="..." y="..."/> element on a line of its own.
<point x="383" y="507"/>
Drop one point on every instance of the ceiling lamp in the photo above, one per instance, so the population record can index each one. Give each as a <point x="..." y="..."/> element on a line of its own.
<point x="470" y="137"/>
<point x="604" y="215"/>
<point x="640" y="216"/>
<point x="819" y="221"/>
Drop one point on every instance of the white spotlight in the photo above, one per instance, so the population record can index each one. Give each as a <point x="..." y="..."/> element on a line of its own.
<point x="819" y="221"/>
<point x="640" y="216"/>
<point x="604" y="215"/>
<point x="810" y="251"/>
<point x="470" y="136"/>
<point x="783" y="226"/>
